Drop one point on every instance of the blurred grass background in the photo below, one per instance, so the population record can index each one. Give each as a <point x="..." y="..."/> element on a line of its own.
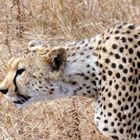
<point x="54" y="21"/>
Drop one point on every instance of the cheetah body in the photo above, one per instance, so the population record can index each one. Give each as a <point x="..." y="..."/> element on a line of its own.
<point x="105" y="68"/>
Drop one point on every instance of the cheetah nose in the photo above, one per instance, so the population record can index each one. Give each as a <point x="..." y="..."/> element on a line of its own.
<point x="3" y="91"/>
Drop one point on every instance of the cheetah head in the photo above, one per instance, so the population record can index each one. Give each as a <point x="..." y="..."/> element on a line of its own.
<point x="41" y="76"/>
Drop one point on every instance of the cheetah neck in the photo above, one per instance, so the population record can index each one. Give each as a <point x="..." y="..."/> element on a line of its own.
<point x="81" y="67"/>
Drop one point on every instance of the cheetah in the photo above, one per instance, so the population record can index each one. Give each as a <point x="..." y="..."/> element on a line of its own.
<point x="105" y="68"/>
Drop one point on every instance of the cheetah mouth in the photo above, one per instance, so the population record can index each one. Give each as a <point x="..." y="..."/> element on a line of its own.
<point x="22" y="99"/>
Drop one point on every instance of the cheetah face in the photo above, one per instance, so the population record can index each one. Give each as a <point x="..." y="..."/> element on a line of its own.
<point x="37" y="78"/>
<point x="16" y="67"/>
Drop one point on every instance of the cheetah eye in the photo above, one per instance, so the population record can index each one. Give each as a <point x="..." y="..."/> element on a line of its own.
<point x="20" y="71"/>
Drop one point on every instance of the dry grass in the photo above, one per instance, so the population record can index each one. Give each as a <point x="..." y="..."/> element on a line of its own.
<point x="54" y="21"/>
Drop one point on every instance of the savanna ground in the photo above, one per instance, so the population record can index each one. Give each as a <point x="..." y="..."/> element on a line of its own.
<point x="54" y="21"/>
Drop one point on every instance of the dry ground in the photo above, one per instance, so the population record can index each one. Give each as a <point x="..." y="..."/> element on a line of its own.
<point x="54" y="21"/>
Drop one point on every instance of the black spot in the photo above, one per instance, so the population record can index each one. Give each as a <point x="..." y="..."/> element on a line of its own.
<point x="123" y="39"/>
<point x="126" y="107"/>
<point x="124" y="79"/>
<point x="117" y="75"/>
<point x="125" y="70"/>
<point x="119" y="102"/>
<point x="109" y="114"/>
<point x="81" y="53"/>
<point x="135" y="98"/>
<point x="128" y="32"/>
<point x="110" y="105"/>
<point x="121" y="130"/>
<point x="107" y="60"/>
<point x="117" y="56"/>
<point x="124" y="59"/>
<point x="129" y="115"/>
<point x="88" y="56"/>
<point x="139" y="43"/>
<point x="40" y="87"/>
<point x="88" y="91"/>
<point x="106" y="121"/>
<point x="103" y="88"/>
<point x="117" y="37"/>
<point x="99" y="42"/>
<point x="135" y="46"/>
<point x="107" y="37"/>
<point x="130" y="50"/>
<point x="131" y="88"/>
<point x="114" y="46"/>
<point x="119" y="27"/>
<point x="120" y="66"/>
<point x="131" y="27"/>
<point x="136" y="36"/>
<point x="120" y="94"/>
<point x="105" y="129"/>
<point x="123" y="87"/>
<point x="130" y="39"/>
<point x="93" y="82"/>
<point x="130" y="60"/>
<point x="104" y="50"/>
<point x="88" y="65"/>
<point x="90" y="48"/>
<point x="93" y="75"/>
<point x="135" y="135"/>
<point x="111" y="53"/>
<point x="138" y="54"/>
<point x="109" y="72"/>
<point x="117" y="31"/>
<point x="129" y="98"/>
<point x="116" y="86"/>
<point x="100" y="65"/>
<point x="121" y="49"/>
<point x="138" y="129"/>
<point x="109" y="94"/>
<point x="110" y="82"/>
<point x="138" y="64"/>
<point x="115" y="110"/>
<point x="115" y="137"/>
<point x="112" y="123"/>
<point x="104" y="107"/>
<point x="73" y="82"/>
<point x="134" y="110"/>
<point x="86" y="78"/>
<point x="113" y="65"/>
<point x="136" y="71"/>
<point x="130" y="79"/>
<point x="126" y="46"/>
<point x="104" y="77"/>
<point x="119" y="115"/>
<point x="133" y="64"/>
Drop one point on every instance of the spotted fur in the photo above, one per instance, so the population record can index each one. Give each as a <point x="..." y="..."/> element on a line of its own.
<point x="105" y="68"/>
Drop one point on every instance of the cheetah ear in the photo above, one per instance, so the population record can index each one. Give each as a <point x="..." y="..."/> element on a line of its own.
<point x="57" y="58"/>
